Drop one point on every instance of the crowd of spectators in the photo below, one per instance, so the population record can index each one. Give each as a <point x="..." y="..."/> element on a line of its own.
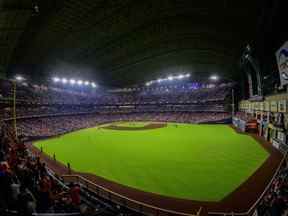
<point x="25" y="184"/>
<point x="244" y="116"/>
<point x="29" y="94"/>
<point x="33" y="100"/>
<point x="30" y="111"/>
<point x="51" y="126"/>
<point x="42" y="111"/>
<point x="275" y="201"/>
<point x="28" y="187"/>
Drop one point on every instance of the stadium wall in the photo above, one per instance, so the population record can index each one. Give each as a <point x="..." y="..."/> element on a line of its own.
<point x="272" y="118"/>
<point x="224" y="121"/>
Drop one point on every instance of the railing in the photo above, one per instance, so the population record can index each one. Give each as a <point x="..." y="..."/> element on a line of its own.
<point x="123" y="200"/>
<point x="153" y="210"/>
<point x="252" y="209"/>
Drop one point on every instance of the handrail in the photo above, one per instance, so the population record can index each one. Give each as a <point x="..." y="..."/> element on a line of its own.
<point x="259" y="199"/>
<point x="131" y="200"/>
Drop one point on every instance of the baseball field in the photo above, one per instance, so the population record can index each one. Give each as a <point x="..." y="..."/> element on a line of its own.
<point x="190" y="161"/>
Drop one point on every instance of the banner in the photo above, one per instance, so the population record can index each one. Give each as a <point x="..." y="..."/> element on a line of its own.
<point x="282" y="60"/>
<point x="266" y="106"/>
<point x="282" y="106"/>
<point x="273" y="106"/>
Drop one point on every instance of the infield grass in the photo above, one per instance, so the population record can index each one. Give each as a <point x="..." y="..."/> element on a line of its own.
<point x="196" y="162"/>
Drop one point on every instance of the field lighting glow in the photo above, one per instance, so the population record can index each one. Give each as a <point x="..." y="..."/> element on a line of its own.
<point x="93" y="85"/>
<point x="56" y="79"/>
<point x="214" y="77"/>
<point x="148" y="84"/>
<point x="72" y="81"/>
<point x="19" y="78"/>
<point x="169" y="78"/>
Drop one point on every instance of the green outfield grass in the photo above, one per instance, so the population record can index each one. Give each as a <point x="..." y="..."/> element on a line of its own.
<point x="197" y="162"/>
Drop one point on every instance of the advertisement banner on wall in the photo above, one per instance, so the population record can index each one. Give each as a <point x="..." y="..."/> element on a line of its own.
<point x="266" y="106"/>
<point x="273" y="106"/>
<point x="282" y="61"/>
<point x="282" y="106"/>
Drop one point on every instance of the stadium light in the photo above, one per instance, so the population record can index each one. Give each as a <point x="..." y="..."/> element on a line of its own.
<point x="80" y="82"/>
<point x="19" y="78"/>
<point x="72" y="81"/>
<point x="93" y="85"/>
<point x="169" y="78"/>
<point x="56" y="79"/>
<point x="214" y="77"/>
<point x="64" y="80"/>
<point x="148" y="83"/>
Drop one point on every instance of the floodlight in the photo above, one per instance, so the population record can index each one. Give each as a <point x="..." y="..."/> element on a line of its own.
<point x="64" y="80"/>
<point x="79" y="82"/>
<point x="187" y="75"/>
<point x="170" y="78"/>
<point x="19" y="78"/>
<point x="214" y="77"/>
<point x="72" y="81"/>
<point x="93" y="85"/>
<point x="56" y="79"/>
<point x="86" y="83"/>
<point x="180" y="76"/>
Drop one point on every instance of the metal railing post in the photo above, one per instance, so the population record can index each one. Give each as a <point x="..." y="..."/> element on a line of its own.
<point x="69" y="168"/>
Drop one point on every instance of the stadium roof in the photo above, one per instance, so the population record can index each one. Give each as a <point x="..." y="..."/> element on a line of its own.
<point x="123" y="42"/>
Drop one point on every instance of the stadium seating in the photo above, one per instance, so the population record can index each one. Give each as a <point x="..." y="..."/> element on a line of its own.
<point x="43" y="112"/>
<point x="28" y="186"/>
